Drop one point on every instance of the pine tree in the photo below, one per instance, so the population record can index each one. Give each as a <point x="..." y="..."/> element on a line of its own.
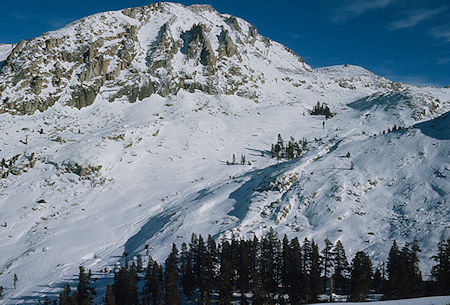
<point x="211" y="262"/>
<point x="340" y="268"/>
<point x="120" y="286"/>
<point x="187" y="272"/>
<point x="315" y="272"/>
<point x="147" y="292"/>
<point x="200" y="271"/>
<point x="360" y="276"/>
<point x="171" y="276"/>
<point x="243" y="267"/>
<point x="225" y="276"/>
<point x="393" y="265"/>
<point x="133" y="296"/>
<point x="327" y="260"/>
<point x="156" y="284"/>
<point x="416" y="281"/>
<point x="295" y="274"/>
<point x="307" y="267"/>
<point x="139" y="263"/>
<point x="441" y="271"/>
<point x="15" y="280"/>
<point x="255" y="264"/>
<point x="270" y="252"/>
<point x="286" y="263"/>
<point x="85" y="293"/>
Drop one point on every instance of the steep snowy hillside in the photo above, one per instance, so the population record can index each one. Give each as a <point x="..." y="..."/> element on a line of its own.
<point x="88" y="175"/>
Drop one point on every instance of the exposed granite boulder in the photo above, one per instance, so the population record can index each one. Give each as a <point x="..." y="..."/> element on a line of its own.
<point x="83" y="96"/>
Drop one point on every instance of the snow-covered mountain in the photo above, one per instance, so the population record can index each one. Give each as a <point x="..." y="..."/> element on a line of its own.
<point x="116" y="132"/>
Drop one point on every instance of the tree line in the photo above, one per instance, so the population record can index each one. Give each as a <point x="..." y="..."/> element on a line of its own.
<point x="263" y="271"/>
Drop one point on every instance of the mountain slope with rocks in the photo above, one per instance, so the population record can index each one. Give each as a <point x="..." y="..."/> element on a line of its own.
<point x="117" y="130"/>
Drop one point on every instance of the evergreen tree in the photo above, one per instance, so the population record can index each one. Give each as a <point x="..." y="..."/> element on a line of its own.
<point x="120" y="286"/>
<point x="139" y="263"/>
<point x="441" y="271"/>
<point x="254" y="257"/>
<point x="211" y="262"/>
<point x="1" y="292"/>
<point x="286" y="263"/>
<point x="327" y="260"/>
<point x="393" y="265"/>
<point x="225" y="276"/>
<point x="200" y="272"/>
<point x="85" y="293"/>
<point x="172" y="295"/>
<point x="295" y="274"/>
<point x="340" y="268"/>
<point x="270" y="252"/>
<point x="315" y="272"/>
<point x="15" y="280"/>
<point x="133" y="296"/>
<point x="408" y="273"/>
<point x="416" y="281"/>
<point x="156" y="284"/>
<point x="187" y="272"/>
<point x="148" y="281"/>
<point x="243" y="267"/>
<point x="360" y="276"/>
<point x="307" y="267"/>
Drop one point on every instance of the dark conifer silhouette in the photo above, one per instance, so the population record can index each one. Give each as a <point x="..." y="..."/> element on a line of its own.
<point x="441" y="271"/>
<point x="360" y="276"/>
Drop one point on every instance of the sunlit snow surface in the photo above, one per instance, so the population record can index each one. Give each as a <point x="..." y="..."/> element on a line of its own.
<point x="164" y="176"/>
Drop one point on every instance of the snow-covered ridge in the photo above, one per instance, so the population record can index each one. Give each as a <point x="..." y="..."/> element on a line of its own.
<point x="130" y="54"/>
<point x="80" y="186"/>
<point x="5" y="49"/>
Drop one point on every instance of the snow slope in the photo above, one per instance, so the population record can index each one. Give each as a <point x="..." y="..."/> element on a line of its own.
<point x="443" y="300"/>
<point x="87" y="184"/>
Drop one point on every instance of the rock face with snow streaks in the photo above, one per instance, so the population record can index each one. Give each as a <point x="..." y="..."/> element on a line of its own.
<point x="132" y="54"/>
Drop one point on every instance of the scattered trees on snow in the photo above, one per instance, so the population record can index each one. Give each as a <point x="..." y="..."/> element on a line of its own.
<point x="322" y="109"/>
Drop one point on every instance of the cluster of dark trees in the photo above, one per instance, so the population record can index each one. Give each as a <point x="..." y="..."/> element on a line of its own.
<point x="322" y="109"/>
<point x="241" y="162"/>
<point x="289" y="150"/>
<point x="394" y="128"/>
<point x="262" y="271"/>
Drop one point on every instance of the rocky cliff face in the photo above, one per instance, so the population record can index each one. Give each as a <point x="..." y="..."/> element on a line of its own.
<point x="134" y="53"/>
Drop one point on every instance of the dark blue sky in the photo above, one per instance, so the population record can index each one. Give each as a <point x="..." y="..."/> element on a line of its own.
<point x="405" y="40"/>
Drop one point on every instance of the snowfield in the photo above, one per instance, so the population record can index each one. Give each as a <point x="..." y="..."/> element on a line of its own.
<point x="87" y="184"/>
<point x="441" y="300"/>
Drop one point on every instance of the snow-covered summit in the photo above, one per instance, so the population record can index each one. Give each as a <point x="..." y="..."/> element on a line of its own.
<point x="133" y="53"/>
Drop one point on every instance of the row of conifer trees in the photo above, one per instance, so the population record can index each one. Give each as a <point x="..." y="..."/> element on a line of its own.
<point x="262" y="271"/>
